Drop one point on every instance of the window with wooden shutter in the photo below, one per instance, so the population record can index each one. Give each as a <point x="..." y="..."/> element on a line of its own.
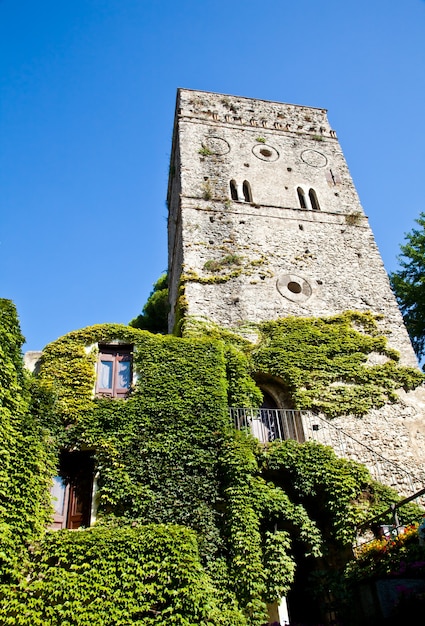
<point x="332" y="177"/>
<point x="114" y="371"/>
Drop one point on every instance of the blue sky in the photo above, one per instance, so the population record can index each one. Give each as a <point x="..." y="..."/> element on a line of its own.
<point x="87" y="96"/>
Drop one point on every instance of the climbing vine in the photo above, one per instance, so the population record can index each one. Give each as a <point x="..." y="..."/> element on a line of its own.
<point x="102" y="577"/>
<point x="25" y="462"/>
<point x="324" y="363"/>
<point x="239" y="517"/>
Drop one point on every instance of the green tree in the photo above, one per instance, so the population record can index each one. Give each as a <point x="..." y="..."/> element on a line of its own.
<point x="408" y="284"/>
<point x="154" y="316"/>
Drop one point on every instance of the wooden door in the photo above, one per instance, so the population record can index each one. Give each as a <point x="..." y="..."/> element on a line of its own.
<point x="72" y="490"/>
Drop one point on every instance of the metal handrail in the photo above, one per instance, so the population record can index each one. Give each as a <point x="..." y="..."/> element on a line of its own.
<point x="272" y="424"/>
<point x="387" y="531"/>
<point x="392" y="509"/>
<point x="410" y="478"/>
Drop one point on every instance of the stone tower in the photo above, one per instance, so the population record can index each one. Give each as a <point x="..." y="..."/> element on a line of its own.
<point x="264" y="218"/>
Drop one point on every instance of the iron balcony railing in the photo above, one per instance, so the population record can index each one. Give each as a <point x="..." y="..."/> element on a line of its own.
<point x="271" y="424"/>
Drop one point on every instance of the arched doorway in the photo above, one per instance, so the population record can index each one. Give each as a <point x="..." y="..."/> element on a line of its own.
<point x="268" y="401"/>
<point x="279" y="418"/>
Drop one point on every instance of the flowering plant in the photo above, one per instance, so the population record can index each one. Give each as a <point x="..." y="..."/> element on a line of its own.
<point x="393" y="556"/>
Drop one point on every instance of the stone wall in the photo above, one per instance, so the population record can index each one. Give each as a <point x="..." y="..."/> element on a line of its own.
<point x="273" y="249"/>
<point x="392" y="442"/>
<point x="268" y="257"/>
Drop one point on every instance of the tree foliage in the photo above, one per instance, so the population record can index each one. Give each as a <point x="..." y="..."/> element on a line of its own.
<point x="408" y="284"/>
<point x="154" y="316"/>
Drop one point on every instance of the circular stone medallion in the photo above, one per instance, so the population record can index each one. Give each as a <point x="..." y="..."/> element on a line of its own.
<point x="265" y="153"/>
<point x="216" y="145"/>
<point x="314" y="158"/>
<point x="294" y="287"/>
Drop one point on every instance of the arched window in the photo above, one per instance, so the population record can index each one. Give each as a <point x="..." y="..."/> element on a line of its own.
<point x="301" y="198"/>
<point x="246" y="189"/>
<point x="313" y="200"/>
<point x="233" y="190"/>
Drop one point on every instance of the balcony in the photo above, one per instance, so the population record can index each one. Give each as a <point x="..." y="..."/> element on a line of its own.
<point x="269" y="424"/>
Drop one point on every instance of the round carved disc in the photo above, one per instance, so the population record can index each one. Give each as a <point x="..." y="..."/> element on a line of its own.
<point x="314" y="158"/>
<point x="294" y="288"/>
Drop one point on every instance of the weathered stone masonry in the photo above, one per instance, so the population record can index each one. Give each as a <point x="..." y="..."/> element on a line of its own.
<point x="265" y="222"/>
<point x="327" y="256"/>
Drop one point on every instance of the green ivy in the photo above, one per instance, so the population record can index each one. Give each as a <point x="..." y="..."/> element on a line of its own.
<point x="25" y="463"/>
<point x="323" y="363"/>
<point x="158" y="448"/>
<point x="235" y="518"/>
<point x="279" y="567"/>
<point x="310" y="474"/>
<point x="102" y="577"/>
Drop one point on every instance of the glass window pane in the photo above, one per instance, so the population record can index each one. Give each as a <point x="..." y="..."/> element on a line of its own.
<point x="105" y="374"/>
<point x="58" y="495"/>
<point x="123" y="375"/>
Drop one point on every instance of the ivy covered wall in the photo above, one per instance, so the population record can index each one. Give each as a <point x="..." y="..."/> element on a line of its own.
<point x="25" y="461"/>
<point x="324" y="364"/>
<point x="196" y="523"/>
<point x="106" y="577"/>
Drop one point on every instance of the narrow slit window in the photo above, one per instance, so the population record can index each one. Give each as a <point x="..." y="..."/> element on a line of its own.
<point x="233" y="190"/>
<point x="247" y="191"/>
<point x="301" y="198"/>
<point x="313" y="200"/>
